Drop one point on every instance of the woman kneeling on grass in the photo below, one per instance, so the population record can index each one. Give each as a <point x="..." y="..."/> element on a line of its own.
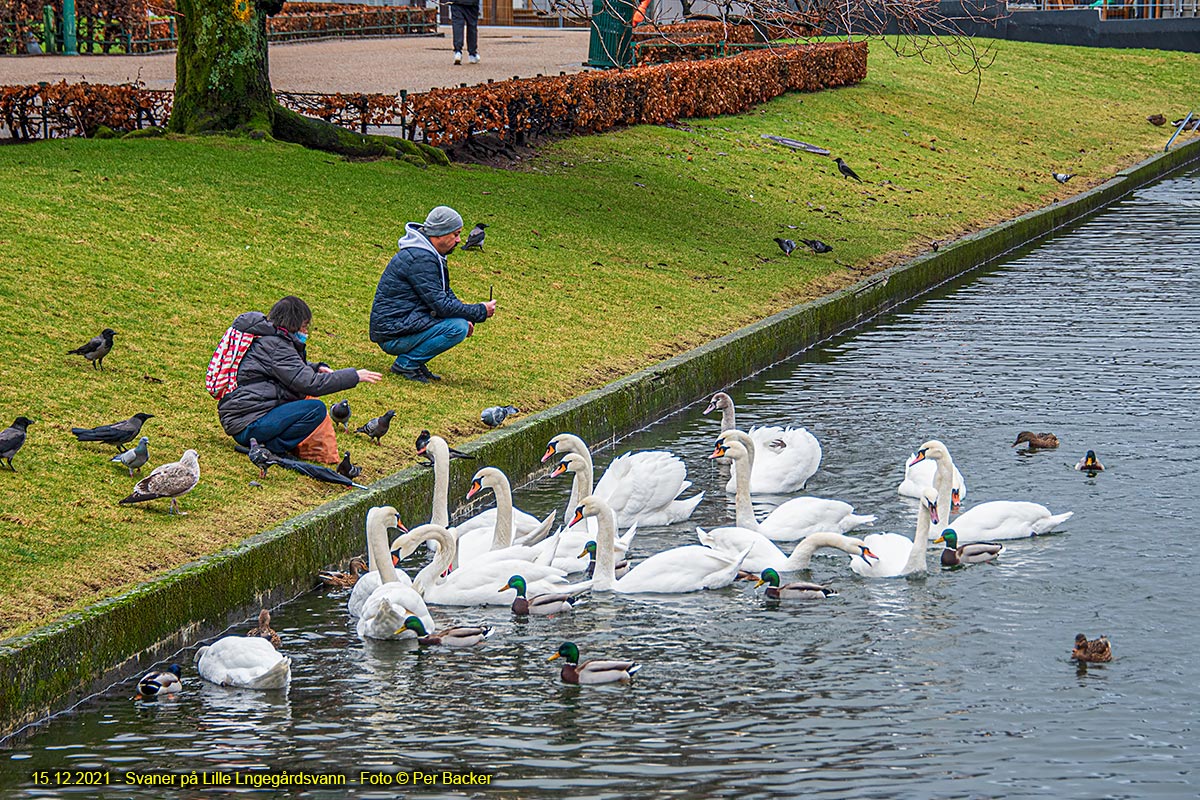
<point x="274" y="378"/>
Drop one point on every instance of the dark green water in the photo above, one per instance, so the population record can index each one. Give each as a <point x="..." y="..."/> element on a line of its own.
<point x="956" y="685"/>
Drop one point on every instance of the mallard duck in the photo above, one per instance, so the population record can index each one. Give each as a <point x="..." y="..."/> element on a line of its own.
<point x="589" y="550"/>
<point x="451" y="637"/>
<point x="263" y="629"/>
<point x="156" y="683"/>
<point x="1089" y="463"/>
<point x="1097" y="649"/>
<point x="953" y="555"/>
<point x="1037" y="441"/>
<point x="593" y="671"/>
<point x="540" y="604"/>
<point x="800" y="590"/>
<point x="336" y="579"/>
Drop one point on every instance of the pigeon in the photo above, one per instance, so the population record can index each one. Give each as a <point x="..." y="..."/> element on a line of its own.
<point x="117" y="433"/>
<point x="12" y="439"/>
<point x="423" y="442"/>
<point x="817" y="245"/>
<point x="376" y="427"/>
<point x="339" y="412"/>
<point x="32" y="46"/>
<point x="261" y="457"/>
<point x="135" y="458"/>
<point x="844" y="168"/>
<point x="316" y="472"/>
<point x="96" y="349"/>
<point x="475" y="238"/>
<point x="1062" y="177"/>
<point x="786" y="245"/>
<point x="347" y="469"/>
<point x="494" y="416"/>
<point x="169" y="480"/>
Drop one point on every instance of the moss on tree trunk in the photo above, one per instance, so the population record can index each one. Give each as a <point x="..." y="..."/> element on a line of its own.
<point x="223" y="83"/>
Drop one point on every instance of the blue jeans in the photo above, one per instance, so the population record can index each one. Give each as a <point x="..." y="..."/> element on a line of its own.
<point x="415" y="349"/>
<point x="285" y="426"/>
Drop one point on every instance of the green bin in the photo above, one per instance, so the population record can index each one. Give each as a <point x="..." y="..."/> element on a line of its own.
<point x="612" y="34"/>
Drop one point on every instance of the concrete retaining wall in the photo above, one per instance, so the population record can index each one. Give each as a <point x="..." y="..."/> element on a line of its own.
<point x="51" y="668"/>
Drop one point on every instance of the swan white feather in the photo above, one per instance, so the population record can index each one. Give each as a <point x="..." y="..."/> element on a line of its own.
<point x="247" y="662"/>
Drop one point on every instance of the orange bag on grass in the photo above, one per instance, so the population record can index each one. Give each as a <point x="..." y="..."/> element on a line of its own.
<point x="321" y="445"/>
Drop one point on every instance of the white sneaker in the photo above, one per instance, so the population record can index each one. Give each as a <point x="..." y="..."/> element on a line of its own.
<point x="473" y="59"/>
<point x="457" y="57"/>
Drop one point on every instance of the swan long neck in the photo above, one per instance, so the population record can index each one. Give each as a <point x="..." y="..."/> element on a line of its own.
<point x="743" y="508"/>
<point x="447" y="552"/>
<point x="943" y="484"/>
<point x="606" y="542"/>
<point x="916" y="556"/>
<point x="581" y="483"/>
<point x="502" y="536"/>
<point x="728" y="418"/>
<point x="440" y="452"/>
<point x="802" y="555"/>
<point x="377" y="546"/>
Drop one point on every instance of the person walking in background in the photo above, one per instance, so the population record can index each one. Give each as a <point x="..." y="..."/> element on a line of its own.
<point x="416" y="314"/>
<point x="465" y="13"/>
<point x="274" y="377"/>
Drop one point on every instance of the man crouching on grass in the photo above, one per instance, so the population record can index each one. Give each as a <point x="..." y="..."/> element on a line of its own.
<point x="416" y="314"/>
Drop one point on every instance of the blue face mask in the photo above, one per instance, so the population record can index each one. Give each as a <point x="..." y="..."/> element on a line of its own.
<point x="301" y="337"/>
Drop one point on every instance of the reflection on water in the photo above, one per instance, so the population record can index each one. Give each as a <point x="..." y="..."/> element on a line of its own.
<point x="957" y="684"/>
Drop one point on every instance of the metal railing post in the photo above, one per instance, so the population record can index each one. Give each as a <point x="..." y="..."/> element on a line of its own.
<point x="1182" y="127"/>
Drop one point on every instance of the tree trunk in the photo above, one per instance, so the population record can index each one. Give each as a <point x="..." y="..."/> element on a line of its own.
<point x="222" y="83"/>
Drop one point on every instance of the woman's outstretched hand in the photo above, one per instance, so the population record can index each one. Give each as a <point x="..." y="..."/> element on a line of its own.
<point x="368" y="376"/>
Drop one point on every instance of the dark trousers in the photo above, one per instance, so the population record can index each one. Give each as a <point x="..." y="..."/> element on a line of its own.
<point x="465" y="16"/>
<point x="285" y="426"/>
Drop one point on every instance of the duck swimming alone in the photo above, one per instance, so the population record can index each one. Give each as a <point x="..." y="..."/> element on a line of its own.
<point x="165" y="682"/>
<point x="593" y="671"/>
<point x="1089" y="463"/>
<point x="1037" y="441"/>
<point x="1097" y="650"/>
<point x="336" y="579"/>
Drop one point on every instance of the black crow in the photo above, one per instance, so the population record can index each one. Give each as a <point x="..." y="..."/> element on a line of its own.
<point x="96" y="349"/>
<point x="376" y="427"/>
<point x="339" y="412"/>
<point x="475" y="237"/>
<point x="117" y="433"/>
<point x="844" y="168"/>
<point x="12" y="439"/>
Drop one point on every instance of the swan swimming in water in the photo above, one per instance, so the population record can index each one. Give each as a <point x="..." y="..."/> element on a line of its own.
<point x="785" y="458"/>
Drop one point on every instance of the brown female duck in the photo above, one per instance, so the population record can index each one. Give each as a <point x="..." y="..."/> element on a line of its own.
<point x="1037" y="441"/>
<point x="336" y="579"/>
<point x="1097" y="650"/>
<point x="263" y="629"/>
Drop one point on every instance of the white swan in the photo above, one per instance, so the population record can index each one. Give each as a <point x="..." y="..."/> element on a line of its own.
<point x="683" y="569"/>
<point x="247" y="662"/>
<point x="796" y="518"/>
<point x="640" y="487"/>
<point x="920" y="474"/>
<point x="898" y="555"/>
<point x="1005" y="519"/>
<point x="439" y="452"/>
<point x="387" y="520"/>
<point x="786" y="457"/>
<point x="765" y="554"/>
<point x="575" y="538"/>
<point x="479" y="542"/>
<point x="384" y="612"/>
<point x="478" y="583"/>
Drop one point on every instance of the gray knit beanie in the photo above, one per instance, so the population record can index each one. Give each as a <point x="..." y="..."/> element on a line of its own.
<point x="442" y="220"/>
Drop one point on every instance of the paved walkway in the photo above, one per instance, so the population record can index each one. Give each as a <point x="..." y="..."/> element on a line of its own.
<point x="415" y="63"/>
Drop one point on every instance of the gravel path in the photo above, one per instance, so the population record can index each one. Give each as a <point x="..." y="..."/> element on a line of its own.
<point x="415" y="63"/>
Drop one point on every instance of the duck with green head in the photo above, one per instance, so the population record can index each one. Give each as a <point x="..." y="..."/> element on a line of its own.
<point x="800" y="590"/>
<point x="540" y="604"/>
<point x="451" y="637"/>
<point x="593" y="671"/>
<point x="164" y="683"/>
<point x="589" y="550"/>
<point x="953" y="555"/>
<point x="1089" y="463"/>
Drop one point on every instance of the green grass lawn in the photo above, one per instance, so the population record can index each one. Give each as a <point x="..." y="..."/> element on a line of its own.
<point x="607" y="254"/>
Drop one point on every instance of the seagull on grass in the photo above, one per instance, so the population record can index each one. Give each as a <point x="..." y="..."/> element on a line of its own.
<point x="169" y="480"/>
